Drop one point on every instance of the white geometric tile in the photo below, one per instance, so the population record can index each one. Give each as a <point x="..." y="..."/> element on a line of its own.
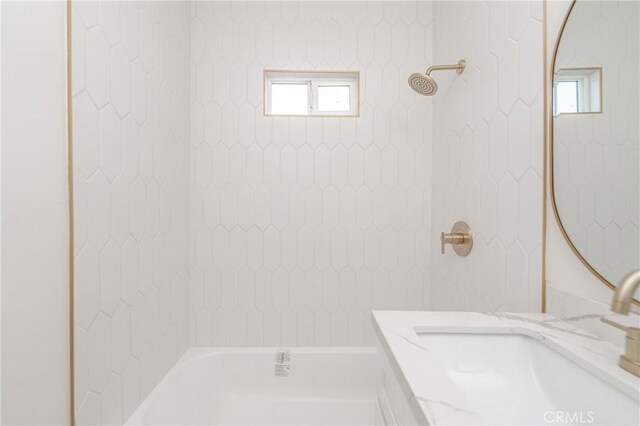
<point x="138" y="90"/>
<point x="519" y="140"/>
<point x="131" y="138"/>
<point x="110" y="277"/>
<point x="87" y="294"/>
<point x="111" y="401"/>
<point x="120" y="338"/>
<point x="204" y="82"/>
<point x="98" y="210"/>
<point x="120" y="210"/>
<point x="130" y="28"/>
<point x="99" y="352"/>
<point x="109" y="21"/>
<point x="499" y="191"/>
<point x="85" y="132"/>
<point x="81" y="366"/>
<point x="529" y="218"/>
<point x="88" y="12"/>
<point x="130" y="388"/>
<point x="109" y="129"/>
<point x="97" y="67"/>
<point x="498" y="146"/>
<point x="130" y="151"/>
<point x="121" y="80"/>
<point x="130" y="270"/>
<point x="89" y="411"/>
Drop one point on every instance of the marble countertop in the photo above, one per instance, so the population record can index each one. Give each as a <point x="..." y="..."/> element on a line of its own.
<point x="435" y="399"/>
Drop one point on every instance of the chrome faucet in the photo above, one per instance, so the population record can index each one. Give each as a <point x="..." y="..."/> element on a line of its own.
<point x="621" y="304"/>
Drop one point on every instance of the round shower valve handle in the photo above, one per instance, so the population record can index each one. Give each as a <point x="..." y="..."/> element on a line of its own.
<point x="459" y="238"/>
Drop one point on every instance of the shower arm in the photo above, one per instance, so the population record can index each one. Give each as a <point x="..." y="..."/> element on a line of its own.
<point x="459" y="67"/>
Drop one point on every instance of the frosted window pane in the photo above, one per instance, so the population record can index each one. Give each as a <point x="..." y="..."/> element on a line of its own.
<point x="333" y="98"/>
<point x="290" y="98"/>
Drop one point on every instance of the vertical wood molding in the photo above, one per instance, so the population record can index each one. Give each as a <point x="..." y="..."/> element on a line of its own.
<point x="71" y="226"/>
<point x="545" y="159"/>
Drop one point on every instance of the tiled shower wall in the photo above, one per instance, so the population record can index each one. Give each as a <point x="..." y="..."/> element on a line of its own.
<point x="299" y="227"/>
<point x="131" y="139"/>
<point x="487" y="155"/>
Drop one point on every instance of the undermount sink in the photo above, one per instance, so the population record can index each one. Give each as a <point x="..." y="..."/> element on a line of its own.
<point x="516" y="379"/>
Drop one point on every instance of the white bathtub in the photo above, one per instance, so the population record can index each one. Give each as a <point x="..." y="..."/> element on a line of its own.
<point x="214" y="386"/>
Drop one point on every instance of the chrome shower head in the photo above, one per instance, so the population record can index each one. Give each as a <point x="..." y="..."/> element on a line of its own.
<point x="425" y="85"/>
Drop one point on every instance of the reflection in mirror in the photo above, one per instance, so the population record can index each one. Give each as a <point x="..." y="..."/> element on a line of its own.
<point x="596" y="161"/>
<point x="577" y="91"/>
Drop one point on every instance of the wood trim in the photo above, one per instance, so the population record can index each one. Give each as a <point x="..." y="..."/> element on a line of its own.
<point x="72" y="408"/>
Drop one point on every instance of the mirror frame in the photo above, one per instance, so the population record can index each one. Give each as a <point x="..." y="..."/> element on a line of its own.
<point x="552" y="195"/>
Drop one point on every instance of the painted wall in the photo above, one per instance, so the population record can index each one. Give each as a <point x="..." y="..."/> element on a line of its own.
<point x="131" y="138"/>
<point x="487" y="155"/>
<point x="35" y="279"/>
<point x="0" y="226"/>
<point x="299" y="227"/>
<point x="572" y="291"/>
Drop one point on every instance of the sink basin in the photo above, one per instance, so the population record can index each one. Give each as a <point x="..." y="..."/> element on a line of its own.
<point x="516" y="379"/>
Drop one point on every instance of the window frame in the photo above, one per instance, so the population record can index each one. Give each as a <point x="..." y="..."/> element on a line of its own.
<point x="586" y="85"/>
<point x="314" y="80"/>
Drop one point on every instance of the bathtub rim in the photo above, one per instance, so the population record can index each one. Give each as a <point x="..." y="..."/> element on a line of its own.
<point x="198" y="353"/>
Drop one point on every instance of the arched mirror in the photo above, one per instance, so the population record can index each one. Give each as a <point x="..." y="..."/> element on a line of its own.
<point x="595" y="134"/>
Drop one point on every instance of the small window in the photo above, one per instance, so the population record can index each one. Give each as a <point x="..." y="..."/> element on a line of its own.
<point x="567" y="96"/>
<point x="577" y="91"/>
<point x="289" y="99"/>
<point x="311" y="93"/>
<point x="334" y="98"/>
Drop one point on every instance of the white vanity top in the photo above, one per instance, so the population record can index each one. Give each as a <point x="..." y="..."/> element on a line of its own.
<point x="433" y="395"/>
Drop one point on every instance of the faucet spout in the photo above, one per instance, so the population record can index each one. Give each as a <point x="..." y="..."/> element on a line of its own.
<point x="621" y="304"/>
<point x="624" y="293"/>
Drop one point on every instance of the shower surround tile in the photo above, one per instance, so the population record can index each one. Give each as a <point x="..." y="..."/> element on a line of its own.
<point x="131" y="138"/>
<point x="236" y="229"/>
<point x="487" y="152"/>
<point x="300" y="226"/>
